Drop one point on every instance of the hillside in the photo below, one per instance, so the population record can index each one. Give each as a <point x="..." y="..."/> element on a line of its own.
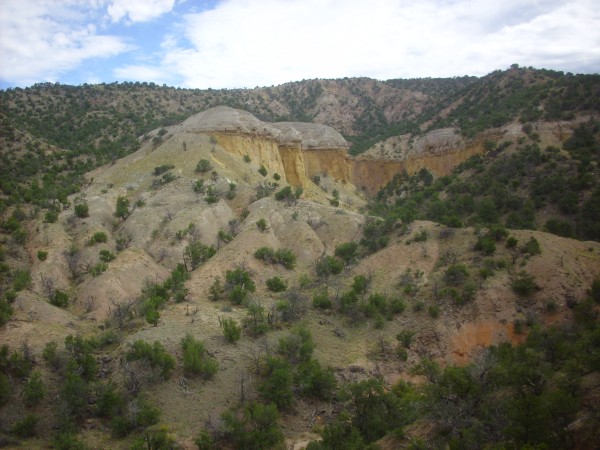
<point x="179" y="273"/>
<point x="71" y="129"/>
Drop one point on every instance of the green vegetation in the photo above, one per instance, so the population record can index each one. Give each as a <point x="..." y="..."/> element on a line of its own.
<point x="196" y="360"/>
<point x="98" y="237"/>
<point x="122" y="208"/>
<point x="282" y="256"/>
<point x="238" y="284"/>
<point x="231" y="330"/>
<point x="203" y="166"/>
<point x="196" y="253"/>
<point x="154" y="355"/>
<point x="276" y="284"/>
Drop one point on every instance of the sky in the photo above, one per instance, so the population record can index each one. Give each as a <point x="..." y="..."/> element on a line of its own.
<point x="248" y="43"/>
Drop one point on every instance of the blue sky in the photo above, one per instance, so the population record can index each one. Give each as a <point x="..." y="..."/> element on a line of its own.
<point x="248" y="43"/>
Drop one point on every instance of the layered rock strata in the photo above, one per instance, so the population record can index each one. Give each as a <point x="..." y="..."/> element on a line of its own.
<point x="299" y="151"/>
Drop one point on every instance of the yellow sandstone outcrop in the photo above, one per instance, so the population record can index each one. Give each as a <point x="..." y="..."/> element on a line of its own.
<point x="298" y="151"/>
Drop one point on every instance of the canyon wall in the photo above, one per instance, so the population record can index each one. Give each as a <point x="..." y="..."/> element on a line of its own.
<point x="299" y="151"/>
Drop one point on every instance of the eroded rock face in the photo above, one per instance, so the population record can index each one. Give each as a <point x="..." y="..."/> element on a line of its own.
<point x="311" y="136"/>
<point x="224" y="118"/>
<point x="438" y="142"/>
<point x="298" y="151"/>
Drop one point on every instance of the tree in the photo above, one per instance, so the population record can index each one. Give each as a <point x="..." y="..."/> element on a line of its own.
<point x="253" y="428"/>
<point x="196" y="254"/>
<point x="346" y="251"/>
<point x="154" y="354"/>
<point x="203" y="166"/>
<point x="122" y="208"/>
<point x="33" y="390"/>
<point x="276" y="284"/>
<point x="81" y="210"/>
<point x="196" y="360"/>
<point x="216" y="290"/>
<point x="277" y="386"/>
<point x="261" y="224"/>
<point x="231" y="330"/>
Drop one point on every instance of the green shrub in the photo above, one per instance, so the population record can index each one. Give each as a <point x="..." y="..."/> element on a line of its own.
<point x="211" y="196"/>
<point x="25" y="427"/>
<point x="21" y="280"/>
<point x="203" y="166"/>
<point x="397" y="306"/>
<point x="98" y="237"/>
<point x="456" y="274"/>
<point x="42" y="255"/>
<point x="405" y="337"/>
<point x="98" y="269"/>
<point x="155" y="439"/>
<point x="263" y="170"/>
<point x="347" y="251"/>
<point x="360" y="284"/>
<point x="315" y="381"/>
<point x="276" y="284"/>
<point x="560" y="228"/>
<point x="155" y="354"/>
<point x="282" y="256"/>
<point x="51" y="355"/>
<point x="231" y="330"/>
<point x="421" y="236"/>
<point x="5" y="389"/>
<point x="81" y="210"/>
<point x="33" y="390"/>
<point x="67" y="441"/>
<point x="106" y="256"/>
<point x="247" y="158"/>
<point x="159" y="170"/>
<point x="286" y="194"/>
<point x="277" y="385"/>
<point x="51" y="217"/>
<point x="276" y="177"/>
<point x="122" y="208"/>
<point x="196" y="253"/>
<point x="196" y="360"/>
<point x="511" y="242"/>
<point x="261" y="224"/>
<point x="532" y="247"/>
<point x="255" y="427"/>
<point x="6" y="311"/>
<point x="321" y="300"/>
<point x="199" y="187"/>
<point x="486" y="244"/>
<point x="216" y="290"/>
<point x="286" y="258"/>
<point x="524" y="284"/>
<point x="59" y="298"/>
<point x="328" y="265"/>
<point x="255" y="322"/>
<point x="434" y="311"/>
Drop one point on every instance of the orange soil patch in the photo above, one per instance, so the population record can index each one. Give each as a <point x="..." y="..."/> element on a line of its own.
<point x="475" y="336"/>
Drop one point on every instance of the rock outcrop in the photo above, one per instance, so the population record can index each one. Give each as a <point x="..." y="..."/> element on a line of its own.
<point x="299" y="151"/>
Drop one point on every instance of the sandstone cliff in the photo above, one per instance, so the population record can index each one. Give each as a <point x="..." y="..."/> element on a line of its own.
<point x="299" y="151"/>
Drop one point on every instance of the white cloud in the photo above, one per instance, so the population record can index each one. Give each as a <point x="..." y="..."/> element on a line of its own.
<point x="135" y="72"/>
<point x="244" y="43"/>
<point x="138" y="10"/>
<point x="43" y="39"/>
